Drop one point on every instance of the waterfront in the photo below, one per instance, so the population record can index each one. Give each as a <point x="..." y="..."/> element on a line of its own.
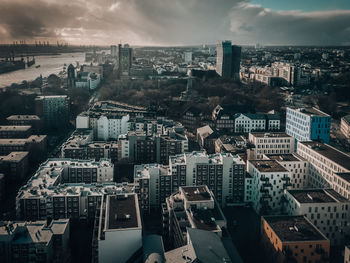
<point x="50" y="64"/>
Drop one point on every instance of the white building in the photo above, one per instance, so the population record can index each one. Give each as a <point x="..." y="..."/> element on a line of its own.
<point x="191" y="207"/>
<point x="328" y="167"/>
<point x="120" y="229"/>
<point x="269" y="180"/>
<point x="269" y="143"/>
<point x="66" y="188"/>
<point x="295" y="164"/>
<point x="222" y="173"/>
<point x="105" y="127"/>
<point x="326" y="209"/>
<point x="245" y="123"/>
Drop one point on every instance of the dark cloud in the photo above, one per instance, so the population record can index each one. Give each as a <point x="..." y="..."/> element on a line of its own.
<point x="168" y="22"/>
<point x="253" y="23"/>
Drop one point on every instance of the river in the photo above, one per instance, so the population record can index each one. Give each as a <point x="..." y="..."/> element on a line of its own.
<point x="51" y="64"/>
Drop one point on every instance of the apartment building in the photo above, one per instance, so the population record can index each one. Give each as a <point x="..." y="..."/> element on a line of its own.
<point x="204" y="246"/>
<point x="81" y="146"/>
<point x="191" y="207"/>
<point x="293" y="239"/>
<point x="295" y="164"/>
<point x="192" y="118"/>
<point x="11" y="131"/>
<point x="268" y="181"/>
<point x="223" y="173"/>
<point x="269" y="143"/>
<point x="118" y="230"/>
<point x="138" y="147"/>
<point x="327" y="166"/>
<point x="306" y="124"/>
<point x="64" y="188"/>
<point x="26" y="120"/>
<point x="14" y="165"/>
<point x="53" y="108"/>
<point x="325" y="208"/>
<point x="37" y="241"/>
<point x="34" y="144"/>
<point x="106" y="126"/>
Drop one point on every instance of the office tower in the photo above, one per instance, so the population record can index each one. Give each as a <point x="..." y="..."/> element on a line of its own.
<point x="306" y="124"/>
<point x="114" y="51"/>
<point x="228" y="60"/>
<point x="71" y="76"/>
<point x="124" y="59"/>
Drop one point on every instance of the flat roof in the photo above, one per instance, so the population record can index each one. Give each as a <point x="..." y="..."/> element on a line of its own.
<point x="206" y="218"/>
<point x="311" y="111"/>
<point x="270" y="134"/>
<point x="316" y="196"/>
<point x="294" y="228"/>
<point x="196" y="193"/>
<point x="14" y="156"/>
<point x="15" y="128"/>
<point x="284" y="157"/>
<point x="22" y="141"/>
<point x="122" y="212"/>
<point x="329" y="152"/>
<point x="268" y="166"/>
<point x="23" y="117"/>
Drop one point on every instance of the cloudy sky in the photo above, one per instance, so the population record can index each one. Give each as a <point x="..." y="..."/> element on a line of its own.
<point x="177" y="22"/>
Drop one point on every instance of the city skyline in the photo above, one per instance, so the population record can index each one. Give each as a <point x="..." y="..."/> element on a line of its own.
<point x="180" y="22"/>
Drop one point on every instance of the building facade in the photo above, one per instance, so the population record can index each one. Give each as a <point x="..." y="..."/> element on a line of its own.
<point x="269" y="143"/>
<point x="223" y="173"/>
<point x="328" y="167"/>
<point x="191" y="207"/>
<point x="293" y="239"/>
<point x="326" y="209"/>
<point x="306" y="124"/>
<point x="38" y="241"/>
<point x="268" y="181"/>
<point x="228" y="60"/>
